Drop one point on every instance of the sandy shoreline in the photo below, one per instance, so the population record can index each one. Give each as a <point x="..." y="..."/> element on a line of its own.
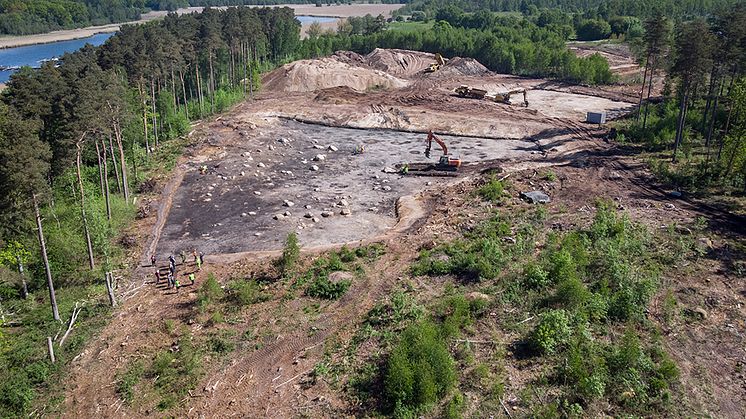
<point x="339" y="11"/>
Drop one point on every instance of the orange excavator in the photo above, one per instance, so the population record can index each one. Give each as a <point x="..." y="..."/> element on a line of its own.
<point x="447" y="161"/>
<point x="446" y="166"/>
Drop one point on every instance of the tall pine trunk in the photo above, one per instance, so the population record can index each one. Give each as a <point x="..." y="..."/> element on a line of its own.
<point x="125" y="184"/>
<point x="155" y="121"/>
<point x="183" y="92"/>
<point x="45" y="259"/>
<point x="114" y="163"/>
<point x="199" y="92"/>
<point x="212" y="83"/>
<point x="650" y="90"/>
<point x="82" y="206"/>
<point x="106" y="182"/>
<point x="22" y="272"/>
<point x="144" y="116"/>
<point x="680" y="122"/>
<point x="642" y="90"/>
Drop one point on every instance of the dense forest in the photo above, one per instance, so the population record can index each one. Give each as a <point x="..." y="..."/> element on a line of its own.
<point x="590" y="8"/>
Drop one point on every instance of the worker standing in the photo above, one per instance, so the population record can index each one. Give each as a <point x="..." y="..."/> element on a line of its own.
<point x="157" y="277"/>
<point x="152" y="259"/>
<point x="170" y="279"/>
<point x="177" y="284"/>
<point x="191" y="277"/>
<point x="182" y="254"/>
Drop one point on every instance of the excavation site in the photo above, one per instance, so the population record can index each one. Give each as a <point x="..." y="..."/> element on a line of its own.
<point x="326" y="149"/>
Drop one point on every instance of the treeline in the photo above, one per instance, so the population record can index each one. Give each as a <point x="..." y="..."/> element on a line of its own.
<point x="604" y="8"/>
<point x="702" y="121"/>
<point x="505" y="44"/>
<point x="23" y="17"/>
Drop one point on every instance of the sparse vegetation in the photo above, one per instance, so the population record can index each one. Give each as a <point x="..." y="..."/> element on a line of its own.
<point x="290" y="255"/>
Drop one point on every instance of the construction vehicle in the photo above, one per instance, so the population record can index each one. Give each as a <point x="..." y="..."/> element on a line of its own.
<point x="471" y="92"/>
<point x="433" y="67"/>
<point x="446" y="166"/>
<point x="475" y="93"/>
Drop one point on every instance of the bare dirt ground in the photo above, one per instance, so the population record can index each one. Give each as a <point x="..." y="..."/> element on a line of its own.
<point x="282" y="130"/>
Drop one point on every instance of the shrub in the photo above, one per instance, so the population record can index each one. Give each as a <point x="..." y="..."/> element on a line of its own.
<point x="244" y="292"/>
<point x="552" y="331"/>
<point x="209" y="293"/>
<point x="492" y="191"/>
<point x="290" y="255"/>
<point x="322" y="287"/>
<point x="534" y="276"/>
<point x="571" y="294"/>
<point x="562" y="266"/>
<point x="419" y="371"/>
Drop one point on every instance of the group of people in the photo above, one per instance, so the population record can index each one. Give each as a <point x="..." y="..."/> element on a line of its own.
<point x="172" y="279"/>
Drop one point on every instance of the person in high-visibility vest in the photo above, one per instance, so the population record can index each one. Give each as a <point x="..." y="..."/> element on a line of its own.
<point x="191" y="277"/>
<point x="177" y="284"/>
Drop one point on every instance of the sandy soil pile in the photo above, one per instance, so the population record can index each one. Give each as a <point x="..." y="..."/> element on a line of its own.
<point x="463" y="67"/>
<point x="400" y="63"/>
<point x="323" y="73"/>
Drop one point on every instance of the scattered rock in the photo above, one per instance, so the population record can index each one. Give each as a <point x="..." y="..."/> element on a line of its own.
<point x="308" y="215"/>
<point x="333" y="148"/>
<point x="345" y="211"/>
<point x="326" y="214"/>
<point x="389" y="170"/>
<point x="509" y="239"/>
<point x="288" y="203"/>
<point x="257" y="234"/>
<point x="257" y="193"/>
<point x="287" y="213"/>
<point x="343" y="203"/>
<point x="279" y="216"/>
<point x="340" y="276"/>
<point x="318" y="147"/>
<point x="260" y="164"/>
<point x="252" y="213"/>
<point x="319" y="157"/>
<point x="535" y="197"/>
<point x="243" y="173"/>
<point x="706" y="243"/>
<point x="315" y="168"/>
<point x="474" y="296"/>
<point x="683" y="230"/>
<point x="386" y="188"/>
<point x="315" y="219"/>
<point x="670" y="206"/>
<point x="243" y="214"/>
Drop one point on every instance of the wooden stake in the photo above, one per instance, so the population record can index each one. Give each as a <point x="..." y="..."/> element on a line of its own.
<point x="110" y="289"/>
<point x="50" y="349"/>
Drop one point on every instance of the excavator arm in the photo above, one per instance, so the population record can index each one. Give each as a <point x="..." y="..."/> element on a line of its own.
<point x="432" y="137"/>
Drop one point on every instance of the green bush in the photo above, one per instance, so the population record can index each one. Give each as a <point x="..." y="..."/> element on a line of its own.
<point x="571" y="294"/>
<point x="244" y="292"/>
<point x="290" y="255"/>
<point x="419" y="371"/>
<point x="552" y="332"/>
<point x="493" y="191"/>
<point x="323" y="288"/>
<point x="209" y="293"/>
<point x="534" y="276"/>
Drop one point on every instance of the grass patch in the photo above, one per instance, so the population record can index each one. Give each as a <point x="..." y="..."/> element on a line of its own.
<point x="177" y="370"/>
<point x="127" y="380"/>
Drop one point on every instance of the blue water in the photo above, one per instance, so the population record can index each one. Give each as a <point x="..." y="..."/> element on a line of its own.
<point x="311" y="19"/>
<point x="33" y="55"/>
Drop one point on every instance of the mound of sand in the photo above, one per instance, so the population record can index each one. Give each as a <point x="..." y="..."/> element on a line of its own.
<point x="399" y="62"/>
<point x="323" y="73"/>
<point x="463" y="67"/>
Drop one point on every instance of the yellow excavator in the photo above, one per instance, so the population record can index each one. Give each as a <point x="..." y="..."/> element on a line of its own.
<point x="475" y="93"/>
<point x="433" y="67"/>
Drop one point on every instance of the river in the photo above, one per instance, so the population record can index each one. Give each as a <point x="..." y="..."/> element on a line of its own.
<point x="11" y="59"/>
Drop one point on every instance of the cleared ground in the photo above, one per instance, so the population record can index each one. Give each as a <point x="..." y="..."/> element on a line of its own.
<point x="260" y="156"/>
<point x="239" y="204"/>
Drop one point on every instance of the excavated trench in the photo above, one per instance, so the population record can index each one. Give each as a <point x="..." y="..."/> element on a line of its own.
<point x="240" y="203"/>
